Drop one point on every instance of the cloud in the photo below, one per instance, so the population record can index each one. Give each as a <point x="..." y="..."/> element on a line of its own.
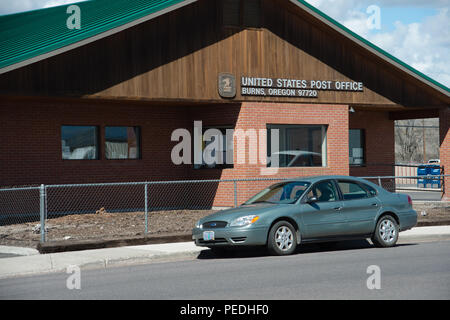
<point x="425" y="44"/>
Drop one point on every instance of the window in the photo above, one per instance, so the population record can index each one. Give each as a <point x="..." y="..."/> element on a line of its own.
<point x="285" y="192"/>
<point x="324" y="192"/>
<point x="79" y="142"/>
<point x="356" y="147"/>
<point x="217" y="147"/>
<point x="241" y="13"/>
<point x="122" y="142"/>
<point x="352" y="190"/>
<point x="371" y="190"/>
<point x="298" y="146"/>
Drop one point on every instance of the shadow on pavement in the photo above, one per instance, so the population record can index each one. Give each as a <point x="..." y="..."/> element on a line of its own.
<point x="253" y="252"/>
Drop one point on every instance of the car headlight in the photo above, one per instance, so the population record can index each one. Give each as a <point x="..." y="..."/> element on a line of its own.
<point x="243" y="221"/>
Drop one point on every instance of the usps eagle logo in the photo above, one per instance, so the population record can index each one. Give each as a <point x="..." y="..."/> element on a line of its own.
<point x="227" y="85"/>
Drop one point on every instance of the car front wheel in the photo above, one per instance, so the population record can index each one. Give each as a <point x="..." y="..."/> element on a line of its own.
<point x="282" y="239"/>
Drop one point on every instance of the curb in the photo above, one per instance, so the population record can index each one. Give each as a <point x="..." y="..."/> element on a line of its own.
<point x="95" y="259"/>
<point x="63" y="246"/>
<point x="433" y="223"/>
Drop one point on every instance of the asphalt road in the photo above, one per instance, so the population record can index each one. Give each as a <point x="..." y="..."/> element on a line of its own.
<point x="408" y="271"/>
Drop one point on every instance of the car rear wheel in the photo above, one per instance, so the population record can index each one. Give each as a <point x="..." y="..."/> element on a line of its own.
<point x="282" y="239"/>
<point x="386" y="232"/>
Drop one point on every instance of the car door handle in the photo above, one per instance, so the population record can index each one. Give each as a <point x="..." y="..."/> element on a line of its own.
<point x="338" y="208"/>
<point x="375" y="204"/>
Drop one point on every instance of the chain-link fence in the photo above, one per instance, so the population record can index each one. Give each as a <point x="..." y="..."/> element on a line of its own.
<point x="122" y="210"/>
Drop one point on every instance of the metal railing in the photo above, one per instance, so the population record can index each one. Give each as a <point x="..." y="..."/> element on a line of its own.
<point x="406" y="176"/>
<point x="127" y="209"/>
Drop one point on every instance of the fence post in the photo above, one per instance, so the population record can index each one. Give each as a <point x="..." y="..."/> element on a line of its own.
<point x="42" y="211"/>
<point x="379" y="181"/>
<point x="146" y="207"/>
<point x="235" y="193"/>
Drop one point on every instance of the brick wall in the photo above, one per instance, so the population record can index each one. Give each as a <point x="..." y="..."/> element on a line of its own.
<point x="30" y="149"/>
<point x="444" y="151"/>
<point x="379" y="143"/>
<point x="257" y="116"/>
<point x="31" y="143"/>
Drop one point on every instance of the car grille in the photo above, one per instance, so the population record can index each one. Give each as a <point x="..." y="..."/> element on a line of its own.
<point x="217" y="240"/>
<point x="239" y="239"/>
<point x="215" y="224"/>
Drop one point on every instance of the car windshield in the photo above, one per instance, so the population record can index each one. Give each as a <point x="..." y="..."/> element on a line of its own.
<point x="285" y="192"/>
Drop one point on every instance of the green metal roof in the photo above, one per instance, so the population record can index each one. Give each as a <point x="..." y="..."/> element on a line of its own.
<point x="30" y="34"/>
<point x="26" y="36"/>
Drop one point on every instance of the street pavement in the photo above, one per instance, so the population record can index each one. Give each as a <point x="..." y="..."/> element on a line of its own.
<point x="31" y="262"/>
<point x="417" y="268"/>
<point x="411" y="270"/>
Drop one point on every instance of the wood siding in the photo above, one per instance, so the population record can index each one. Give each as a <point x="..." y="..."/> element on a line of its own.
<point x="178" y="56"/>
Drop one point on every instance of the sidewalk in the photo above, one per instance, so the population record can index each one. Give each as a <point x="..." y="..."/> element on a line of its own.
<point x="96" y="258"/>
<point x="34" y="263"/>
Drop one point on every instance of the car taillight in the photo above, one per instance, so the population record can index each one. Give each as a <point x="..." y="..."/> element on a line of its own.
<point x="409" y="200"/>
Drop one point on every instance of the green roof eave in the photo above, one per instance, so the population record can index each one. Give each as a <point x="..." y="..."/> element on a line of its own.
<point x="43" y="33"/>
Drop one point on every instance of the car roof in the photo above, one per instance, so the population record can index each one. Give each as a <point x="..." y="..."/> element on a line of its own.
<point x="296" y="152"/>
<point x="318" y="178"/>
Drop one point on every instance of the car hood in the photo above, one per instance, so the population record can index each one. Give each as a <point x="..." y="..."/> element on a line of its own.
<point x="229" y="215"/>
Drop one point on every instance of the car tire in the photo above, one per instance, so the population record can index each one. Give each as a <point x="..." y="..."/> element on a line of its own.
<point x="282" y="239"/>
<point x="386" y="232"/>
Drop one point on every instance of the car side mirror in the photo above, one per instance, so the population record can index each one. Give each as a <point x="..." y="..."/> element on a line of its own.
<point x="311" y="200"/>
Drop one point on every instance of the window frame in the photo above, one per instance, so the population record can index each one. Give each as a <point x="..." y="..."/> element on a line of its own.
<point x="138" y="142"/>
<point x="324" y="138"/>
<point x="304" y="198"/>
<point x="366" y="186"/>
<point x="368" y="193"/>
<point x="363" y="146"/>
<point x="97" y="140"/>
<point x="223" y="129"/>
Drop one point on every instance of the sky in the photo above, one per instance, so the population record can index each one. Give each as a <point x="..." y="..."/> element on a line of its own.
<point x="415" y="31"/>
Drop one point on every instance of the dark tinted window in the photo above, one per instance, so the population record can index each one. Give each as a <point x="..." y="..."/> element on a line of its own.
<point x="356" y="147"/>
<point x="221" y="137"/>
<point x="371" y="190"/>
<point x="324" y="192"/>
<point x="298" y="145"/>
<point x="285" y="192"/>
<point x="122" y="142"/>
<point x="352" y="190"/>
<point x="79" y="142"/>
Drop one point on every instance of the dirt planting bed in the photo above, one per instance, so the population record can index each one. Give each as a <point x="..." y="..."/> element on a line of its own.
<point x="101" y="225"/>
